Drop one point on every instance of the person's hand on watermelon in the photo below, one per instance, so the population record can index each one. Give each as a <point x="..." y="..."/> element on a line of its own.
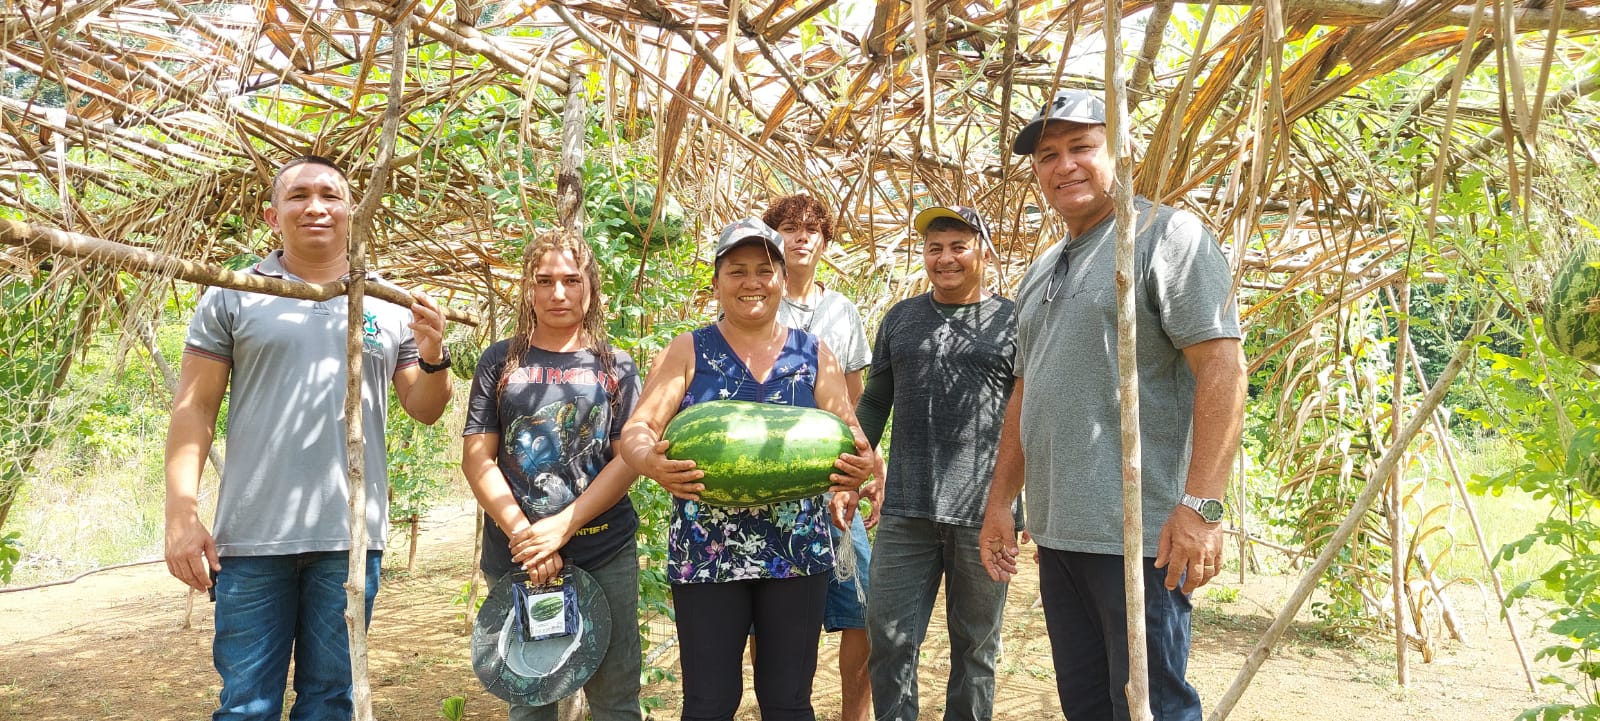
<point x="680" y="478"/>
<point x="854" y="469"/>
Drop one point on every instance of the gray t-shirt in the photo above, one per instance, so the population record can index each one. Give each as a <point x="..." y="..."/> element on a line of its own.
<point x="946" y="372"/>
<point x="1067" y="356"/>
<point x="836" y="321"/>
<point x="284" y="487"/>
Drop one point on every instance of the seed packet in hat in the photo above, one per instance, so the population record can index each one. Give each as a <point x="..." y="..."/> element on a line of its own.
<point x="551" y="667"/>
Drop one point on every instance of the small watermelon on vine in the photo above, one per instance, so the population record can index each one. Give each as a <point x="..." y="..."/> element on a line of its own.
<point x="1572" y="310"/>
<point x="464" y="352"/>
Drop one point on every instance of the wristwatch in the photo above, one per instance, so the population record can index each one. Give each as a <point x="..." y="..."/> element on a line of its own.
<point x="1210" y="509"/>
<point x="444" y="362"/>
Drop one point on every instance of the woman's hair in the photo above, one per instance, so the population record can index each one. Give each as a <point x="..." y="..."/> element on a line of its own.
<point x="798" y="207"/>
<point x="554" y="241"/>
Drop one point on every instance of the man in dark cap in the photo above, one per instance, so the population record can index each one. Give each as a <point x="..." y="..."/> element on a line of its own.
<point x="1062" y="429"/>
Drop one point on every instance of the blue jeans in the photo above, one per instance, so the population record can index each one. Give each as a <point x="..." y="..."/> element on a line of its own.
<point x="912" y="555"/>
<point x="844" y="609"/>
<point x="1085" y="612"/>
<point x="272" y="607"/>
<point x="613" y="691"/>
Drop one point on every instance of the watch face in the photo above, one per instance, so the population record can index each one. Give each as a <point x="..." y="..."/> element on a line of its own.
<point x="1211" y="510"/>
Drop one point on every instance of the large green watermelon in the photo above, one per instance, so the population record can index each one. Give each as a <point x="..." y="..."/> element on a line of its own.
<point x="758" y="453"/>
<point x="1572" y="312"/>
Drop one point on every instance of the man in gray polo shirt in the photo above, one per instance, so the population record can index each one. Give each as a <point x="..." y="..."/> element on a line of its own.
<point x="279" y="558"/>
<point x="1062" y="432"/>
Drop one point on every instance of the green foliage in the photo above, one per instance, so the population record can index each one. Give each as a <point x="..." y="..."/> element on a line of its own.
<point x="454" y="708"/>
<point x="420" y="462"/>
<point x="1550" y="406"/>
<point x="10" y="553"/>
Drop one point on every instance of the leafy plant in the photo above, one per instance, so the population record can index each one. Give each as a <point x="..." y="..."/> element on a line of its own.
<point x="454" y="708"/>
<point x="10" y="553"/>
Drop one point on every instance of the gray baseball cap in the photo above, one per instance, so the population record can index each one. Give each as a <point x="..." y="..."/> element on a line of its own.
<point x="750" y="229"/>
<point x="1072" y="106"/>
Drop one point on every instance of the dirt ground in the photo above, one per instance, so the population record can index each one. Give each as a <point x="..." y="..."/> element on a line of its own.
<point x="114" y="646"/>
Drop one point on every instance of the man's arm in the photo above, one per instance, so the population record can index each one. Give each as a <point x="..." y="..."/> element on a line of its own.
<point x="1191" y="549"/>
<point x="853" y="386"/>
<point x="997" y="542"/>
<point x="424" y="395"/>
<point x="191" y="552"/>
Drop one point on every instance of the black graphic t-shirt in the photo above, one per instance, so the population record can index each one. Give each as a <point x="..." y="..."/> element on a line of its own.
<point x="556" y="422"/>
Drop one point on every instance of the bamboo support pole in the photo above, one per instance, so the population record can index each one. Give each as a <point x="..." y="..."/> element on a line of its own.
<point x="1126" y="222"/>
<point x="569" y="210"/>
<point x="1369" y="493"/>
<point x="355" y="615"/>
<point x="1398" y="557"/>
<point x="49" y="241"/>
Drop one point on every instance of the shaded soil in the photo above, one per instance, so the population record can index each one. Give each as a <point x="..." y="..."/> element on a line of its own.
<point x="115" y="646"/>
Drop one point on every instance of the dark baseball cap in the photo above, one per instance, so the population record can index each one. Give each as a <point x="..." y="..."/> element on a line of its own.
<point x="965" y="215"/>
<point x="1072" y="106"/>
<point x="749" y="230"/>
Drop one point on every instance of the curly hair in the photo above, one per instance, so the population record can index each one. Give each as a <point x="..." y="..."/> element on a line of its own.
<point x="799" y="207"/>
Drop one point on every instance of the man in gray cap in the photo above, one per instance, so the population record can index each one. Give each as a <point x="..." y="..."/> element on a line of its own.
<point x="1063" y="424"/>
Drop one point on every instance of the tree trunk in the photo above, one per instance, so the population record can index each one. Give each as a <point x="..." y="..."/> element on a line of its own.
<point x="360" y="233"/>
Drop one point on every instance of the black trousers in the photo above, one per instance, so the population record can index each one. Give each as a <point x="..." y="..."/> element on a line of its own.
<point x="1085" y="614"/>
<point x="715" y="619"/>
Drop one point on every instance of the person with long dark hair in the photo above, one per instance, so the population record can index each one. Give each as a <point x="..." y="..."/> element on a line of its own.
<point x="546" y="407"/>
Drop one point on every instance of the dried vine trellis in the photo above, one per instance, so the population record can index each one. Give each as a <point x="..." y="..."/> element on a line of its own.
<point x="1341" y="150"/>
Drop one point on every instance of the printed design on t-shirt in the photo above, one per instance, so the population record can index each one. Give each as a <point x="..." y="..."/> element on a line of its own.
<point x="370" y="341"/>
<point x="557" y="450"/>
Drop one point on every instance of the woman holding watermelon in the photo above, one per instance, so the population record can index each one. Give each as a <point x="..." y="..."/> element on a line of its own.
<point x="765" y="567"/>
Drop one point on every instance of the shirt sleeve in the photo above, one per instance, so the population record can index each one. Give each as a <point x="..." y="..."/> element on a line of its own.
<point x="628" y="388"/>
<point x="483" y="407"/>
<point x="877" y="396"/>
<point x="854" y="355"/>
<point x="211" y="329"/>
<point x="1192" y="285"/>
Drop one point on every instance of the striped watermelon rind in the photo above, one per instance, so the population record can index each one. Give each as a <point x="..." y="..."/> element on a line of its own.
<point x="1570" y="320"/>
<point x="754" y="454"/>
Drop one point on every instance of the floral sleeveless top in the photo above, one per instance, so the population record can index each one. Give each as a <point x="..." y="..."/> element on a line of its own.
<point x="713" y="544"/>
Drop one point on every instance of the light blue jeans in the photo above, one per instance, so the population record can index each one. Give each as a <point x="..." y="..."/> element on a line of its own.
<point x="272" y="607"/>
<point x="909" y="559"/>
<point x="613" y="691"/>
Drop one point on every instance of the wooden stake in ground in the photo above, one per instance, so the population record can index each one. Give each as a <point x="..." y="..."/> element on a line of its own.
<point x="569" y="209"/>
<point x="355" y="615"/>
<point x="1369" y="494"/>
<point x="1126" y="223"/>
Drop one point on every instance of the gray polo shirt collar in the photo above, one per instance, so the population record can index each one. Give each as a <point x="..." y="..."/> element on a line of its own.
<point x="272" y="265"/>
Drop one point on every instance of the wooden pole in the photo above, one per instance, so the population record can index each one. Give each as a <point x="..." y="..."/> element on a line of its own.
<point x="355" y="615"/>
<point x="569" y="212"/>
<point x="1398" y="556"/>
<point x="1138" y="689"/>
<point x="1369" y="493"/>
<point x="53" y="242"/>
